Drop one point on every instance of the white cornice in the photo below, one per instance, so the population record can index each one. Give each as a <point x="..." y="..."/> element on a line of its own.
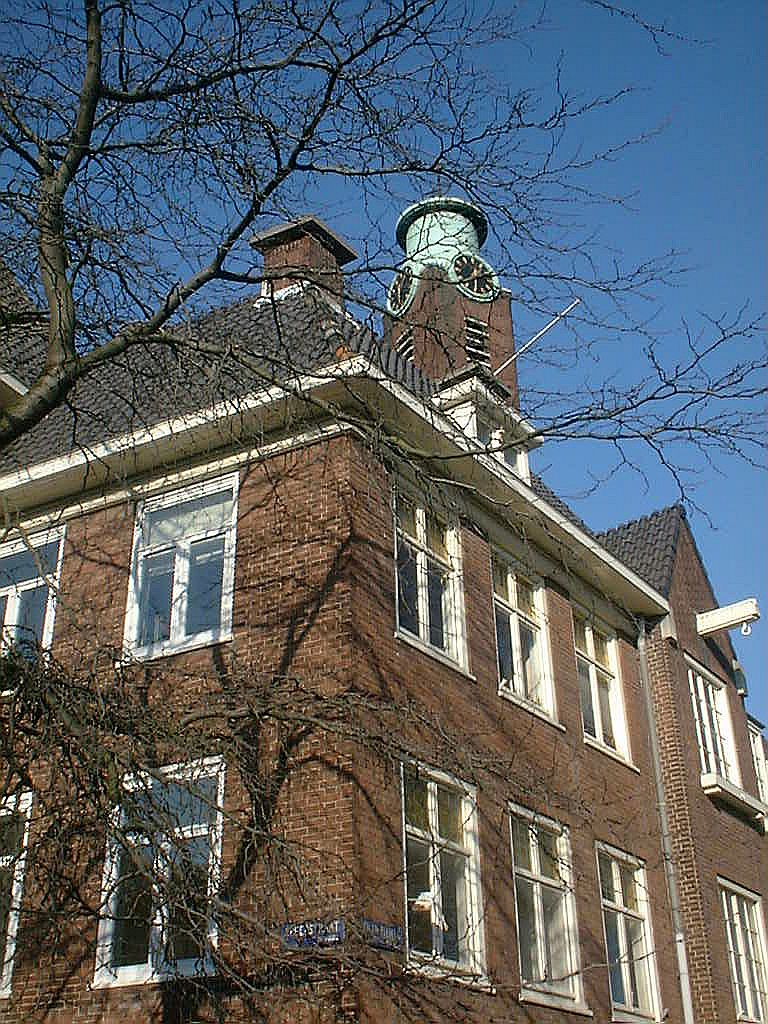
<point x="62" y="478"/>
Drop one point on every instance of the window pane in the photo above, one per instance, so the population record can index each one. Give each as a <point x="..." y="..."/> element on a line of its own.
<point x="31" y="620"/>
<point x="521" y="845"/>
<point x="504" y="646"/>
<point x="435" y="596"/>
<point x="206" y="575"/>
<point x="406" y="517"/>
<point x="419" y="895"/>
<point x="525" y="601"/>
<point x="184" y="804"/>
<point x="618" y="994"/>
<point x="11" y="835"/>
<point x="6" y="890"/>
<point x="133" y="907"/>
<point x="585" y="696"/>
<point x="416" y="812"/>
<point x="155" y="598"/>
<point x="606" y="719"/>
<point x="638" y="964"/>
<point x="3" y="607"/>
<point x="29" y="565"/>
<point x="530" y="658"/>
<point x="628" y="886"/>
<point x="601" y="649"/>
<point x="436" y="537"/>
<point x="549" y="857"/>
<point x="606" y="877"/>
<point x="580" y="635"/>
<point x="454" y="906"/>
<point x="449" y="815"/>
<point x="556" y="938"/>
<point x="197" y="515"/>
<point x="526" y="920"/>
<point x="187" y="895"/>
<point x="500" y="580"/>
<point x="407" y="590"/>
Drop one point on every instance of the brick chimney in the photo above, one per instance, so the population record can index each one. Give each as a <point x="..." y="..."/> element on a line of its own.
<point x="303" y="250"/>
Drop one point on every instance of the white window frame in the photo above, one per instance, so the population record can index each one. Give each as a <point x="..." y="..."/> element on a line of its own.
<point x="156" y="968"/>
<point x="620" y="746"/>
<point x="545" y="991"/>
<point x="473" y="966"/>
<point x="177" y="641"/>
<point x="509" y="607"/>
<point x="641" y="914"/>
<point x="21" y="805"/>
<point x="51" y="580"/>
<point x="759" y="759"/>
<point x="747" y="946"/>
<point x="452" y="606"/>
<point x="714" y="727"/>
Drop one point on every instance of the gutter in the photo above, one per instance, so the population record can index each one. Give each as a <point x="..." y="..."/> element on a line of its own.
<point x="670" y="869"/>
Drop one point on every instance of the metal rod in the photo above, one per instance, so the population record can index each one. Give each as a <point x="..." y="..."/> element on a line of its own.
<point x="536" y="337"/>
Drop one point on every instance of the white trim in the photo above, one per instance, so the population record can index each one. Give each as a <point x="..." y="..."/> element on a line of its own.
<point x="155" y="968"/>
<point x="177" y="642"/>
<point x="21" y="805"/>
<point x="719" y="749"/>
<point x="759" y="759"/>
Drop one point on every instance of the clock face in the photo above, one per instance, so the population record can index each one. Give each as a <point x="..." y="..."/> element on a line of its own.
<point x="401" y="289"/>
<point x="475" y="276"/>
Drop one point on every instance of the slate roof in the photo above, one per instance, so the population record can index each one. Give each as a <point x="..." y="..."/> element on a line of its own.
<point x="222" y="356"/>
<point x="648" y="545"/>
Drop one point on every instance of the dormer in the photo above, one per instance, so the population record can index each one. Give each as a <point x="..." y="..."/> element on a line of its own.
<point x="446" y="309"/>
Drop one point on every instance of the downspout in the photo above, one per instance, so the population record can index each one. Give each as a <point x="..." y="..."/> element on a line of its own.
<point x="666" y="837"/>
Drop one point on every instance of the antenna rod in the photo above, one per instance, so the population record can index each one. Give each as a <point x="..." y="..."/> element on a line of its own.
<point x="536" y="337"/>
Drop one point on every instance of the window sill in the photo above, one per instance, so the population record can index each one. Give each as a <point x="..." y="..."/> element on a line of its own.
<point x="528" y="995"/>
<point x="628" y="1017"/>
<point x="137" y="978"/>
<point x="533" y="709"/>
<point x="734" y="796"/>
<point x="434" y="652"/>
<point x="589" y="741"/>
<point x="435" y="970"/>
<point x="168" y="650"/>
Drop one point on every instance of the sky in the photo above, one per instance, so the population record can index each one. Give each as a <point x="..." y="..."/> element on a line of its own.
<point x="698" y="186"/>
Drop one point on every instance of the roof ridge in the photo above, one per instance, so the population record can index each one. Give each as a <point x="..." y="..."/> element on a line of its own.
<point x="655" y="514"/>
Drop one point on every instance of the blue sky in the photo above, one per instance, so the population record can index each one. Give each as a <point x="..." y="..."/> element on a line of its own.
<point x="698" y="186"/>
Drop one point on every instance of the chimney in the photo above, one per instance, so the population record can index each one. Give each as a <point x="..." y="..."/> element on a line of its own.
<point x="446" y="308"/>
<point x="303" y="250"/>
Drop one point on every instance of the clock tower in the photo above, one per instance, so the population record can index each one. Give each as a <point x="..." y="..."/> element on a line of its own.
<point x="446" y="309"/>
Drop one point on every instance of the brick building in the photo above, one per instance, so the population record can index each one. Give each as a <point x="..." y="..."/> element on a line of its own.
<point x="346" y="715"/>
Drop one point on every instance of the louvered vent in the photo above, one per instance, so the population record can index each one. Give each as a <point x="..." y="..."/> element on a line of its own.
<point x="405" y="343"/>
<point x="476" y="340"/>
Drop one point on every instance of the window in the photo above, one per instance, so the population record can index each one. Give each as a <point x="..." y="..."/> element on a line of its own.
<point x="520" y="638"/>
<point x="28" y="577"/>
<point x="546" y="918"/>
<point x="442" y="872"/>
<point x="627" y="932"/>
<point x="428" y="594"/>
<point x="745" y="933"/>
<point x="160" y="874"/>
<point x="14" y="830"/>
<point x="602" y="714"/>
<point x="183" y="569"/>
<point x="759" y="759"/>
<point x="713" y="725"/>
